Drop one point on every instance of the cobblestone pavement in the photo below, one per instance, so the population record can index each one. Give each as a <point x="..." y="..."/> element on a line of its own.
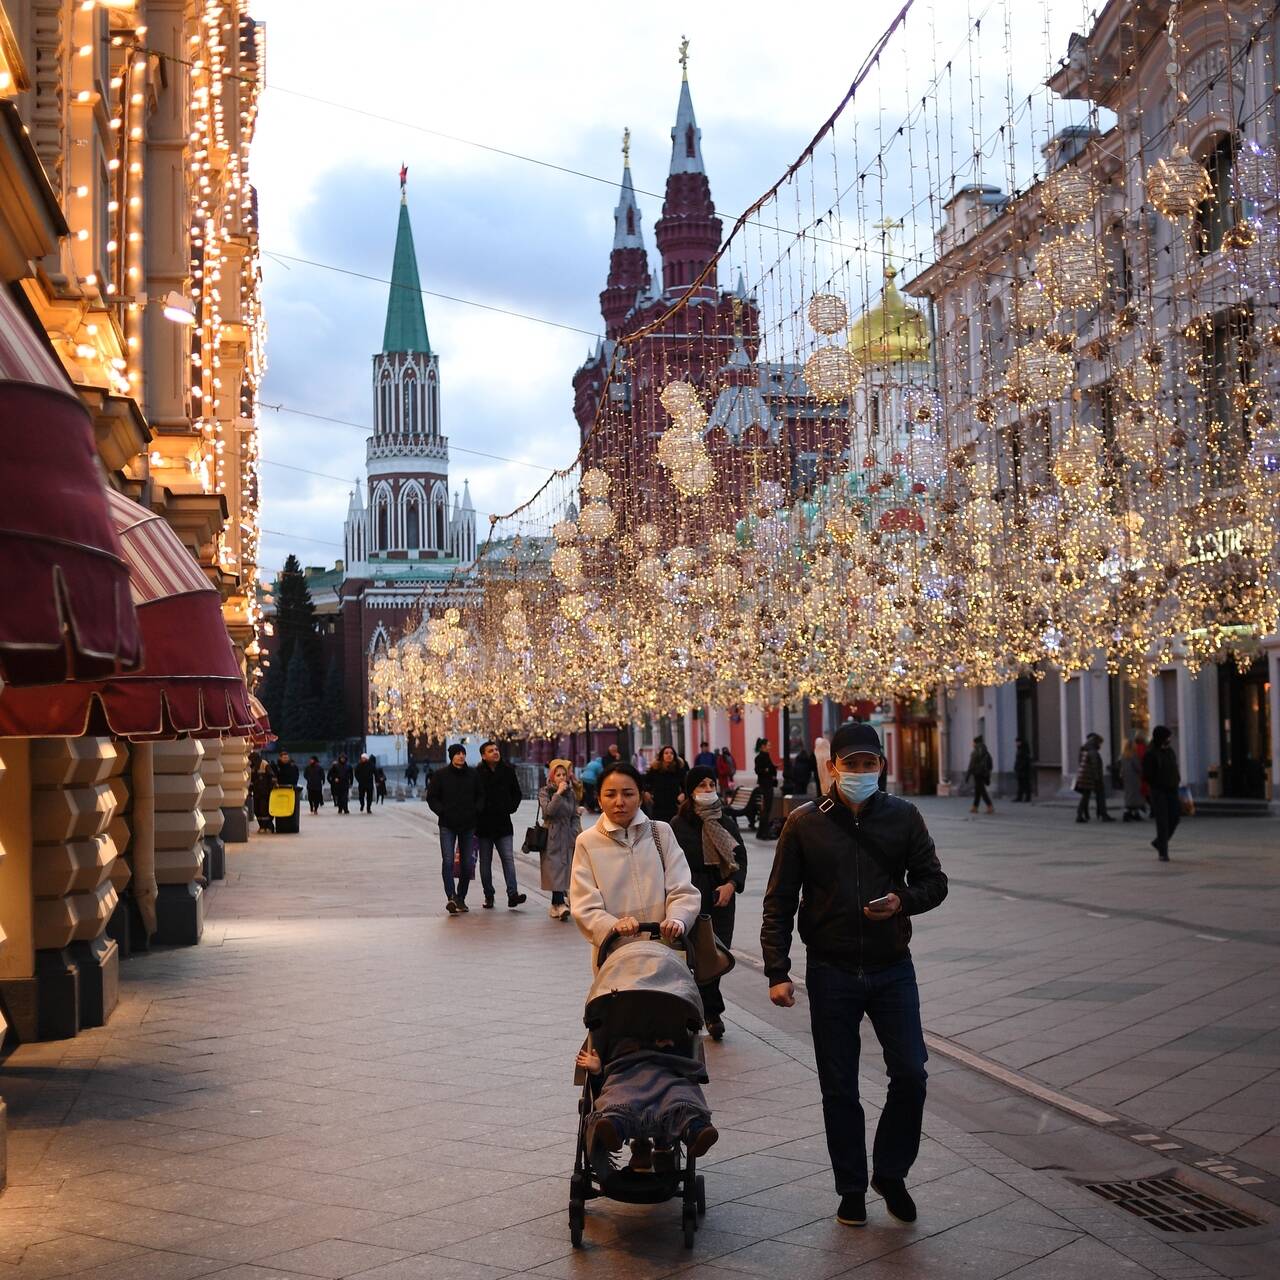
<point x="342" y="1080"/>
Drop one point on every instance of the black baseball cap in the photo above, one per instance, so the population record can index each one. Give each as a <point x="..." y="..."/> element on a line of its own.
<point x="854" y="736"/>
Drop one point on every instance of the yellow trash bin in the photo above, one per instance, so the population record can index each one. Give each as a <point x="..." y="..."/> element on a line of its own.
<point x="282" y="803"/>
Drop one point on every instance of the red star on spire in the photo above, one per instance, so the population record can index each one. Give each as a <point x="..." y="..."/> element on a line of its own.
<point x="404" y="175"/>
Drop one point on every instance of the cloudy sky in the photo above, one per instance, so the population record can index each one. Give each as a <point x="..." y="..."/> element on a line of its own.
<point x="353" y="93"/>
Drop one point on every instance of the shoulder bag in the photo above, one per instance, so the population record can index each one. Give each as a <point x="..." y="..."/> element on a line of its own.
<point x="535" y="837"/>
<point x="708" y="957"/>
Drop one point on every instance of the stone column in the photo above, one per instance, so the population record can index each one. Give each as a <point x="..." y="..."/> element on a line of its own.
<point x="17" y="940"/>
<point x="72" y="804"/>
<point x="121" y="835"/>
<point x="235" y="790"/>
<point x="211" y="800"/>
<point x="179" y="826"/>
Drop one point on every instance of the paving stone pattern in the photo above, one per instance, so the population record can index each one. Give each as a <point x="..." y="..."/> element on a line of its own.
<point x="342" y="1080"/>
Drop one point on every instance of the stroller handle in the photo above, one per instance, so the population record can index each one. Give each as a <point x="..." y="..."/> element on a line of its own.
<point x="651" y="927"/>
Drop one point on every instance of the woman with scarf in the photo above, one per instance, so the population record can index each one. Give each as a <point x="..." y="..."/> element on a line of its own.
<point x="717" y="860"/>
<point x="560" y="804"/>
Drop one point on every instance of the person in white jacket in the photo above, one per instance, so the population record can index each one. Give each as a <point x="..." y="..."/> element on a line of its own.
<point x="628" y="869"/>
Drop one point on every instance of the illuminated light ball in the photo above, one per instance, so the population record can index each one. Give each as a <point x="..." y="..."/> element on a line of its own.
<point x="682" y="559"/>
<point x="1076" y="462"/>
<point x="1141" y="379"/>
<point x="597" y="520"/>
<point x="680" y="400"/>
<point x="596" y="483"/>
<point x="564" y="531"/>
<point x="831" y="373"/>
<point x="769" y="496"/>
<point x="648" y="535"/>
<point x="843" y="527"/>
<point x="679" y="449"/>
<point x="1140" y="433"/>
<point x="1067" y="197"/>
<point x="725" y="580"/>
<point x="1038" y="372"/>
<point x="1264" y="450"/>
<point x="566" y="565"/>
<point x="722" y="545"/>
<point x="1032" y="306"/>
<point x="1178" y="184"/>
<point x="650" y="572"/>
<point x="1133" y="521"/>
<point x="1072" y="270"/>
<point x="452" y="616"/>
<point x="828" y="313"/>
<point x="514" y="598"/>
<point x="698" y="478"/>
<point x="926" y="456"/>
<point x="573" y="606"/>
<point x="771" y="535"/>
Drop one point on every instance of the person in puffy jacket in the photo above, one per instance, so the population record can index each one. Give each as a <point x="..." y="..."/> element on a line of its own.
<point x="858" y="864"/>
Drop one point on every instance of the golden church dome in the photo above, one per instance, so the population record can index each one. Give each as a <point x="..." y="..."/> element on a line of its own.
<point x="891" y="332"/>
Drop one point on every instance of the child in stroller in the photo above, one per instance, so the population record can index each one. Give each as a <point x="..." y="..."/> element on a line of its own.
<point x="641" y="1070"/>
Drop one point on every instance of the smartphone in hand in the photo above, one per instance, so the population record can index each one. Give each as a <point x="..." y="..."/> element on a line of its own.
<point x="878" y="904"/>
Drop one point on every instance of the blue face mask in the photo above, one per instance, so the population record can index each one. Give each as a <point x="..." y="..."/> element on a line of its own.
<point x="857" y="788"/>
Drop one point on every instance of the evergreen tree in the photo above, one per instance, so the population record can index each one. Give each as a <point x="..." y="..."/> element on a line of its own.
<point x="295" y="621"/>
<point x="301" y="715"/>
<point x="333" y="709"/>
<point x="270" y="690"/>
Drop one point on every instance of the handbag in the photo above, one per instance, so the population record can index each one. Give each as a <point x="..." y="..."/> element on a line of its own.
<point x="708" y="957"/>
<point x="535" y="837"/>
<point x="1186" y="802"/>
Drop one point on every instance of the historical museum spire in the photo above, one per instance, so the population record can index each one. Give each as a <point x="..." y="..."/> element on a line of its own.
<point x="628" y="262"/>
<point x="688" y="233"/>
<point x="406" y="328"/>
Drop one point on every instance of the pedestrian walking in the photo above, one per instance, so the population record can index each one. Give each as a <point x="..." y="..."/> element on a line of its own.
<point x="664" y="785"/>
<point x="1131" y="778"/>
<point x="341" y="776"/>
<point x="1162" y="776"/>
<point x="717" y="859"/>
<point x="364" y="772"/>
<point x="865" y="864"/>
<point x="1022" y="770"/>
<point x="628" y="868"/>
<point x="589" y="780"/>
<point x="380" y="783"/>
<point x="264" y="779"/>
<point x="500" y="797"/>
<point x="706" y="758"/>
<point x="453" y="795"/>
<point x="766" y="784"/>
<point x="411" y="774"/>
<point x="726" y="772"/>
<point x="980" y="767"/>
<point x="314" y="777"/>
<point x="802" y="766"/>
<point x="559" y="802"/>
<point x="1091" y="780"/>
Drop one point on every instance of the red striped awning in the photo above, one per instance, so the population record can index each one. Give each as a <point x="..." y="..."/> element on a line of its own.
<point x="191" y="683"/>
<point x="262" y="733"/>
<point x="65" y="611"/>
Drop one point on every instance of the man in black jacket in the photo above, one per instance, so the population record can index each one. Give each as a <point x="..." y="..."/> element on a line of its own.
<point x="340" y="784"/>
<point x="865" y="863"/>
<point x="364" y="783"/>
<point x="453" y="795"/>
<point x="500" y="797"/>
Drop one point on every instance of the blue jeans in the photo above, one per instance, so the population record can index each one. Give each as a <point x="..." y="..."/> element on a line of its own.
<point x="503" y="844"/>
<point x="449" y="842"/>
<point x="891" y="1000"/>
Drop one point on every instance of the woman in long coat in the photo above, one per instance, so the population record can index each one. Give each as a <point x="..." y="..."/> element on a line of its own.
<point x="1131" y="775"/>
<point x="559" y="802"/>
<point x="664" y="785"/>
<point x="264" y="779"/>
<point x="717" y="858"/>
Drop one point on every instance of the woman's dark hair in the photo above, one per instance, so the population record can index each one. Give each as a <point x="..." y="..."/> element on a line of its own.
<point x="1160" y="735"/>
<point x="623" y="766"/>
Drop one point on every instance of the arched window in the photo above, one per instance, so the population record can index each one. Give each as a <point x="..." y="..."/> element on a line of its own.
<point x="386" y="405"/>
<point x="438" y="511"/>
<point x="382" y="520"/>
<point x="412" y="523"/>
<point x="1218" y="214"/>
<point x="412" y="418"/>
<point x="631" y="222"/>
<point x="435" y="406"/>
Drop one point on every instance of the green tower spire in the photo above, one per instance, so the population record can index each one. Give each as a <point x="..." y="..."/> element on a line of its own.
<point x="406" y="321"/>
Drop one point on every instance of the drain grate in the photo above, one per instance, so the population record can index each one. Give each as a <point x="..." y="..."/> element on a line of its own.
<point x="1170" y="1205"/>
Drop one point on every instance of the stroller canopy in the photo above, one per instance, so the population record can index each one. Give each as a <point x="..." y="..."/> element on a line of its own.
<point x="647" y="987"/>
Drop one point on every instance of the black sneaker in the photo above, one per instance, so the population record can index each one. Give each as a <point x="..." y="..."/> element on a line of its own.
<point x="451" y="907"/>
<point x="715" y="1029"/>
<point x="515" y="899"/>
<point x="488" y="904"/>
<point x="462" y="906"/>
<point x="896" y="1199"/>
<point x="852" y="1211"/>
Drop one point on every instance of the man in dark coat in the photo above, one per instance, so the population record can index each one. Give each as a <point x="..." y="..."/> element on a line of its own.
<point x="314" y="774"/>
<point x="286" y="771"/>
<point x="766" y="784"/>
<point x="500" y="797"/>
<point x="1161" y="774"/>
<point x="1022" y="770"/>
<point x="365" y="772"/>
<point x="980" y="766"/>
<point x="453" y="795"/>
<point x="858" y="864"/>
<point x="340" y="776"/>
<point x="1091" y="780"/>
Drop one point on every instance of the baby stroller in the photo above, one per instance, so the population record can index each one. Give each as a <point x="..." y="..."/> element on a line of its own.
<point x="643" y="991"/>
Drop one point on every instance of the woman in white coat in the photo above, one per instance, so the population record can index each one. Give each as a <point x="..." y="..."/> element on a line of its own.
<point x="628" y="869"/>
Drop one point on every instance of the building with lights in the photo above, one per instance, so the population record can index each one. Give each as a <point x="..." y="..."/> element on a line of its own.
<point x="128" y="269"/>
<point x="1184" y="326"/>
<point x="407" y="534"/>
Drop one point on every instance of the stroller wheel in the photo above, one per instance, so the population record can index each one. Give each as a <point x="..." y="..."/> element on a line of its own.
<point x="577" y="1220"/>
<point x="700" y="1190"/>
<point x="689" y="1220"/>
